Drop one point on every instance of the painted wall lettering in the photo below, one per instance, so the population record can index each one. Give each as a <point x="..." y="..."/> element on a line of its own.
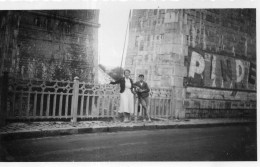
<point x="240" y="70"/>
<point x="197" y="64"/>
<point x="211" y="70"/>
<point x="252" y="74"/>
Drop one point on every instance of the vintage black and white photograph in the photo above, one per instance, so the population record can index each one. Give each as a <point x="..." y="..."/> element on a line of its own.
<point x="128" y="83"/>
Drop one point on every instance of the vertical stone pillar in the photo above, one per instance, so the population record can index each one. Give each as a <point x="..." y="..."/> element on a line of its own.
<point x="179" y="69"/>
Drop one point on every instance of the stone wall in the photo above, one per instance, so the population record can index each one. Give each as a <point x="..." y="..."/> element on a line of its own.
<point x="207" y="55"/>
<point x="53" y="44"/>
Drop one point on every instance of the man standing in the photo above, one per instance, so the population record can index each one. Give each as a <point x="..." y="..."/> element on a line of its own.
<point x="142" y="91"/>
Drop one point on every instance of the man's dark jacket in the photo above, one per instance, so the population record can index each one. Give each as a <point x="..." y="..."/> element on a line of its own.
<point x="121" y="82"/>
<point x="144" y="87"/>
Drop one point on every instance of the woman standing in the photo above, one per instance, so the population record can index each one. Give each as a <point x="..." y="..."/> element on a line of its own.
<point x="126" y="95"/>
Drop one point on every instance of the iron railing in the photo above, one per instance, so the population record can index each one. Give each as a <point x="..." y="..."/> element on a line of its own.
<point x="38" y="99"/>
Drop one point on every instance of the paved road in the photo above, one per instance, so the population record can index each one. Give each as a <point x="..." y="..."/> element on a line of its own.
<point x="232" y="143"/>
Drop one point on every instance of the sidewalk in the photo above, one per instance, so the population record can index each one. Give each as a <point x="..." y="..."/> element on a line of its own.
<point x="55" y="128"/>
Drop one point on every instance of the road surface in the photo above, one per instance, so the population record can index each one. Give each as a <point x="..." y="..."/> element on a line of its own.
<point x="229" y="143"/>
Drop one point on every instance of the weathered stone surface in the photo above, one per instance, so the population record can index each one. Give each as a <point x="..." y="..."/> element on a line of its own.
<point x="210" y="53"/>
<point x="53" y="44"/>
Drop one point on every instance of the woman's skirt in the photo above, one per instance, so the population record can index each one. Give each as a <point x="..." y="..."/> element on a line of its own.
<point x="127" y="101"/>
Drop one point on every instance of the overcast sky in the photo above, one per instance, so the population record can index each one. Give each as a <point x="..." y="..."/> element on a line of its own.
<point x="111" y="35"/>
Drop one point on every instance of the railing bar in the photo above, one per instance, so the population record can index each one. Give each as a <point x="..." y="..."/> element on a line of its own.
<point x="160" y="107"/>
<point x="92" y="107"/>
<point x="81" y="105"/>
<point x="54" y="104"/>
<point x="154" y="106"/>
<point x="71" y="108"/>
<point x="173" y="102"/>
<point x="41" y="107"/>
<point x="153" y="112"/>
<point x="163" y="106"/>
<point x="103" y="107"/>
<point x="28" y="104"/>
<point x="157" y="106"/>
<point x="112" y="107"/>
<point x="168" y="109"/>
<point x="60" y="105"/>
<point x="151" y="107"/>
<point x="148" y="107"/>
<point x="48" y="105"/>
<point x="66" y="105"/>
<point x="170" y="114"/>
<point x="108" y="105"/>
<point x="87" y="105"/>
<point x="35" y="104"/>
<point x="20" y="105"/>
<point x="98" y="106"/>
<point x="57" y="93"/>
<point x="171" y="109"/>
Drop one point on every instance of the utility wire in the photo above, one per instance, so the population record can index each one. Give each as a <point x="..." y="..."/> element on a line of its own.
<point x="125" y="42"/>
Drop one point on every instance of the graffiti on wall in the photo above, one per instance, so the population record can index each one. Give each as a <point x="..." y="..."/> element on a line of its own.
<point x="211" y="70"/>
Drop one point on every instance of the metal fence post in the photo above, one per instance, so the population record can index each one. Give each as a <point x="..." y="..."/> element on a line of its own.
<point x="4" y="94"/>
<point x="75" y="99"/>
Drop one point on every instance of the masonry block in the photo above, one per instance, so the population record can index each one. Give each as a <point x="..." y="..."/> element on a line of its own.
<point x="179" y="93"/>
<point x="213" y="82"/>
<point x="179" y="104"/>
<point x="180" y="70"/>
